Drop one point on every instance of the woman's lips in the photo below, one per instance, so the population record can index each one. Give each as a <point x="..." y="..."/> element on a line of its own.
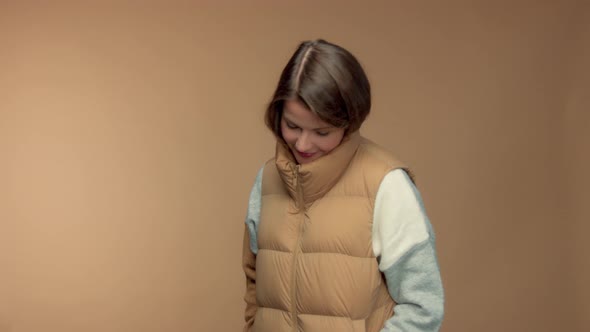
<point x="305" y="155"/>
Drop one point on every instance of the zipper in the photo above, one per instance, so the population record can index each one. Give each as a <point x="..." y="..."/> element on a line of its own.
<point x="297" y="250"/>
<point x="298" y="190"/>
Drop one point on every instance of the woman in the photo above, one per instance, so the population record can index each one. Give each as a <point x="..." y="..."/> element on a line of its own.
<point x="336" y="235"/>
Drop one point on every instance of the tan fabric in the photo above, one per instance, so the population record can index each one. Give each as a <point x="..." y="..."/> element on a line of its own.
<point x="315" y="267"/>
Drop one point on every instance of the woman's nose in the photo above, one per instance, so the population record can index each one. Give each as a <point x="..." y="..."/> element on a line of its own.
<point x="303" y="143"/>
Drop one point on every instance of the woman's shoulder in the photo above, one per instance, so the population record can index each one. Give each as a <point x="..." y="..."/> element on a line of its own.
<point x="270" y="179"/>
<point x="377" y="159"/>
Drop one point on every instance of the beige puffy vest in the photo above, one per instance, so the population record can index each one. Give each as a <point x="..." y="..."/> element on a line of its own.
<point x="315" y="267"/>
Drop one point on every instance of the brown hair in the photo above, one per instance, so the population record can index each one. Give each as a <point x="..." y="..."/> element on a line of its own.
<point x="329" y="80"/>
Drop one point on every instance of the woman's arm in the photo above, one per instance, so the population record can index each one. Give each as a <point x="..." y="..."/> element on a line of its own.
<point x="250" y="249"/>
<point x="404" y="241"/>
<point x="249" y="265"/>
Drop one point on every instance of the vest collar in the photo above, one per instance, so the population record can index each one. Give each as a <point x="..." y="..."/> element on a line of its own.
<point x="309" y="182"/>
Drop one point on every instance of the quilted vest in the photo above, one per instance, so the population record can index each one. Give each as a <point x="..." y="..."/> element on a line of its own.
<point x="315" y="267"/>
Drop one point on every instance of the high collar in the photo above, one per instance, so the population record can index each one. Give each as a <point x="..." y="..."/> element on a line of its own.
<point x="309" y="182"/>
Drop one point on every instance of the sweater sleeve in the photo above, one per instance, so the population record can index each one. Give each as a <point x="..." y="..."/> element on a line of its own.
<point x="404" y="243"/>
<point x="249" y="250"/>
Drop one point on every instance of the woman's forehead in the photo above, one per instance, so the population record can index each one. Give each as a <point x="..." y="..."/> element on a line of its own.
<point x="297" y="112"/>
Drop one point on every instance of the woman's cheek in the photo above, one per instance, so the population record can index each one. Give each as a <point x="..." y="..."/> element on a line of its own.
<point x="289" y="135"/>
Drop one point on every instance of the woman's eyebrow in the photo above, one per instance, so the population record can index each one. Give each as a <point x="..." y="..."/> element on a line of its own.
<point x="292" y="122"/>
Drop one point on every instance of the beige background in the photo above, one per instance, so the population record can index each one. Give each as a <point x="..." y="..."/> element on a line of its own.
<point x="130" y="135"/>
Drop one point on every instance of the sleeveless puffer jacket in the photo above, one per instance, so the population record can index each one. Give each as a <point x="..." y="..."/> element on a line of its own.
<point x="315" y="266"/>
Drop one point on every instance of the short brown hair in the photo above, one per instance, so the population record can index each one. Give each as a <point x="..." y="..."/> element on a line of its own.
<point x="329" y="80"/>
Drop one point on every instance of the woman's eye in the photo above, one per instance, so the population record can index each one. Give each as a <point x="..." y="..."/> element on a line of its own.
<point x="292" y="126"/>
<point x="323" y="133"/>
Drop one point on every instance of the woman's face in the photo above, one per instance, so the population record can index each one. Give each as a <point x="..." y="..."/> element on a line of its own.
<point x="308" y="137"/>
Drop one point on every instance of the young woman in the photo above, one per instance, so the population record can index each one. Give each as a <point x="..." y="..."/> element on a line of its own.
<point x="336" y="237"/>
